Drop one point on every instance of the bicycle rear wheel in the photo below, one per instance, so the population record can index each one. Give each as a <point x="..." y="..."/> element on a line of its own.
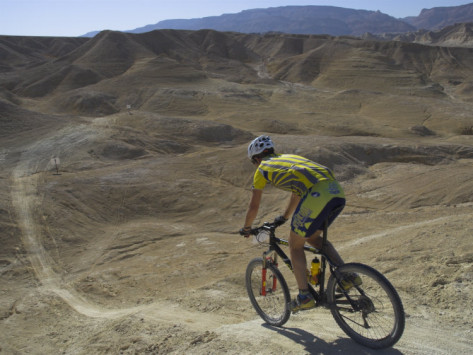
<point x="375" y="318"/>
<point x="274" y="306"/>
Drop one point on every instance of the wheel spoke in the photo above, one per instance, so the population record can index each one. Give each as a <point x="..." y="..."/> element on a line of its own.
<point x="272" y="306"/>
<point x="373" y="315"/>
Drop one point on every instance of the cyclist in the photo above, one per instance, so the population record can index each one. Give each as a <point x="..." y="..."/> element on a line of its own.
<point x="314" y="194"/>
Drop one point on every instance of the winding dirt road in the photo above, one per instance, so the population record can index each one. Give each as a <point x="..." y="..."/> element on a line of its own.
<point x="314" y="332"/>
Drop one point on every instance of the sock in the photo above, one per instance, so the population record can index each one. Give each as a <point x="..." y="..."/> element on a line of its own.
<point x="303" y="294"/>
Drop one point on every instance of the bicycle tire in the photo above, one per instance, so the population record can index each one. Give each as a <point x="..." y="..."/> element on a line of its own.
<point x="380" y="321"/>
<point x="273" y="308"/>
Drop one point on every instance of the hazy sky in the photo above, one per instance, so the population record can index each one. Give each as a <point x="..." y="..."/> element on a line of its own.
<point x="77" y="17"/>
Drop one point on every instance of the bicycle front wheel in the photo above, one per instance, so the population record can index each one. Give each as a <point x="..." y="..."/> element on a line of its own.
<point x="371" y="313"/>
<point x="273" y="306"/>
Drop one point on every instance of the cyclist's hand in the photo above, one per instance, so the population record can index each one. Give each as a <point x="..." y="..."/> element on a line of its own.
<point x="245" y="231"/>
<point x="278" y="221"/>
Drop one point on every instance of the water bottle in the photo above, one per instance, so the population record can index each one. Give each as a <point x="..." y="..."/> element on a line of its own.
<point x="314" y="271"/>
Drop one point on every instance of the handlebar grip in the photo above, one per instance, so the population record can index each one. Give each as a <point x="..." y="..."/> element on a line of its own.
<point x="266" y="226"/>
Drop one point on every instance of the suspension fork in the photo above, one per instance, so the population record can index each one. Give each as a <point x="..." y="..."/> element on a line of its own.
<point x="267" y="258"/>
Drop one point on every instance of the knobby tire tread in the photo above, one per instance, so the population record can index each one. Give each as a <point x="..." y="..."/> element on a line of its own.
<point x="375" y="277"/>
<point x="255" y="266"/>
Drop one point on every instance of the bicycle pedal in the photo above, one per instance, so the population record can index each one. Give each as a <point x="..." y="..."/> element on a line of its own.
<point x="296" y="306"/>
<point x="291" y="306"/>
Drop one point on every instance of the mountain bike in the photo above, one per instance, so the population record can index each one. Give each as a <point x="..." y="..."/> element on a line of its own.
<point x="370" y="311"/>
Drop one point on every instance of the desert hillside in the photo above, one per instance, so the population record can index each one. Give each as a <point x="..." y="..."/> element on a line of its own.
<point x="131" y="245"/>
<point x="458" y="35"/>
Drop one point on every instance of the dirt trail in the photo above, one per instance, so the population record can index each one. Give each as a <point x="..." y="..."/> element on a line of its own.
<point x="26" y="202"/>
<point x="394" y="231"/>
<point x="311" y="332"/>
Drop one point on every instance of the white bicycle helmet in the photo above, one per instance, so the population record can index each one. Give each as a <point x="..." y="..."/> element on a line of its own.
<point x="259" y="145"/>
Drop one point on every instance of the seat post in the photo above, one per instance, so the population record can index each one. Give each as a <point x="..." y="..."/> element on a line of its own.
<point x="322" y="297"/>
<point x="336" y="211"/>
<point x="325" y="233"/>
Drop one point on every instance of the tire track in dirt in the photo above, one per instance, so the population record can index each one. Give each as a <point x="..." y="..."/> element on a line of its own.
<point x="394" y="230"/>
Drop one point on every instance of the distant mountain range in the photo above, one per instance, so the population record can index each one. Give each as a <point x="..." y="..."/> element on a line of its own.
<point x="330" y="20"/>
<point x="439" y="17"/>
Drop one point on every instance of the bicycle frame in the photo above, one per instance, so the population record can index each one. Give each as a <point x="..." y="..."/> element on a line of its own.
<point x="362" y="301"/>
<point x="274" y="248"/>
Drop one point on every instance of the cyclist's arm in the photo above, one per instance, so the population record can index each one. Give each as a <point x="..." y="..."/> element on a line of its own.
<point x="253" y="207"/>
<point x="291" y="206"/>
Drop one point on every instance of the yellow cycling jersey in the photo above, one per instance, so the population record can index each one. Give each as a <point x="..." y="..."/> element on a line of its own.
<point x="290" y="172"/>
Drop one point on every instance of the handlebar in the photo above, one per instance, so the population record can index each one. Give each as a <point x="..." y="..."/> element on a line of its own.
<point x="267" y="226"/>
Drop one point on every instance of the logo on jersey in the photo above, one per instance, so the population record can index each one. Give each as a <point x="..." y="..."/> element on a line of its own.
<point x="333" y="188"/>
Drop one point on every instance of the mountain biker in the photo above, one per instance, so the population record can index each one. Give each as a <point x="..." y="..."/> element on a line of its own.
<point x="314" y="194"/>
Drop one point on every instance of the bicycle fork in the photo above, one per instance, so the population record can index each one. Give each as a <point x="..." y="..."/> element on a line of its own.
<point x="268" y="259"/>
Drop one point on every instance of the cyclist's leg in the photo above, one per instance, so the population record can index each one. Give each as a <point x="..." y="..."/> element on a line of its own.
<point x="316" y="241"/>
<point x="315" y="208"/>
<point x="298" y="259"/>
<point x="304" y="299"/>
